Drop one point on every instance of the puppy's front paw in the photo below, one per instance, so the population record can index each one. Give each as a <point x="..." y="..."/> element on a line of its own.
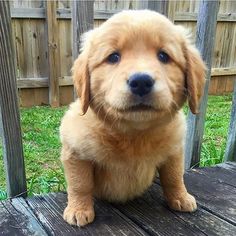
<point x="186" y="203"/>
<point x="79" y="217"/>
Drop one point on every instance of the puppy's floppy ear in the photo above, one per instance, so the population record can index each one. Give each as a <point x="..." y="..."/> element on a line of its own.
<point x="195" y="76"/>
<point x="80" y="76"/>
<point x="80" y="73"/>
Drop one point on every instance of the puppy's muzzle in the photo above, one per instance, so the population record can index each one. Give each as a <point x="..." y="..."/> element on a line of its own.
<point x="140" y="84"/>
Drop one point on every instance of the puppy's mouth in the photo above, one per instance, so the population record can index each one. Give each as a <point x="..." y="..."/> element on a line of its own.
<point x="138" y="108"/>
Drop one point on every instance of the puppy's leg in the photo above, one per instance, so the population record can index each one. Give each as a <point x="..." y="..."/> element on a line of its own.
<point x="79" y="177"/>
<point x="171" y="176"/>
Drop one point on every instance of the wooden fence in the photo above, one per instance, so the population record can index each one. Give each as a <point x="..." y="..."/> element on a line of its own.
<point x="44" y="54"/>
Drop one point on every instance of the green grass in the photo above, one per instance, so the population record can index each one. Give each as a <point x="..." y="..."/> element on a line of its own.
<point x="216" y="130"/>
<point x="40" y="128"/>
<point x="42" y="146"/>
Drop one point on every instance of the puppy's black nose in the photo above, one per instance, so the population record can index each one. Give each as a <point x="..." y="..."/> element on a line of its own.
<point x="140" y="84"/>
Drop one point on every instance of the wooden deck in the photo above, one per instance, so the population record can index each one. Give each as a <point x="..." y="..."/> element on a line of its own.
<point x="214" y="189"/>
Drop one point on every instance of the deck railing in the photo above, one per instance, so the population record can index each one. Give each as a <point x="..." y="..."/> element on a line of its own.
<point x="83" y="12"/>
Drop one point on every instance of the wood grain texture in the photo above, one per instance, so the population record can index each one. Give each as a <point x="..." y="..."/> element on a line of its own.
<point x="16" y="218"/>
<point x="109" y="221"/>
<point x="151" y="213"/>
<point x="214" y="191"/>
<point x="65" y="48"/>
<point x="171" y="11"/>
<point x="31" y="47"/>
<point x="33" y="97"/>
<point x="9" y="110"/>
<point x="223" y="71"/>
<point x="215" y="210"/>
<point x="53" y="55"/>
<point x="205" y="38"/>
<point x="82" y="21"/>
<point x="39" y="96"/>
<point x="66" y="95"/>
<point x="224" y="173"/>
<point x="27" y="3"/>
<point x="32" y="83"/>
<point x="142" y="4"/>
<point x="230" y="152"/>
<point x="42" y="82"/>
<point x="192" y="16"/>
<point x="39" y="13"/>
<point x="160" y="6"/>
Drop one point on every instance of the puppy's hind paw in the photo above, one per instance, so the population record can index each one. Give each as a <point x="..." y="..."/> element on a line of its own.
<point x="79" y="217"/>
<point x="186" y="203"/>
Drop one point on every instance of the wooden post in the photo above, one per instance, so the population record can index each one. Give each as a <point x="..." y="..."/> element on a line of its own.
<point x="82" y="21"/>
<point x="205" y="39"/>
<point x="53" y="54"/>
<point x="9" y="110"/>
<point x="230" y="153"/>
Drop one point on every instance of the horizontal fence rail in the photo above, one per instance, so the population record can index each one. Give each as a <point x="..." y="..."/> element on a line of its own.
<point x="40" y="13"/>
<point x="67" y="80"/>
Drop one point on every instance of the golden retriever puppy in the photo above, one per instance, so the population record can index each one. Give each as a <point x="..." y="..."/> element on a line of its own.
<point x="133" y="75"/>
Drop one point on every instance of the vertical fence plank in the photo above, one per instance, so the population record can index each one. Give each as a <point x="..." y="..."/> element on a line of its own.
<point x="230" y="152"/>
<point x="171" y="9"/>
<point x="82" y="21"/>
<point x="205" y="39"/>
<point x="9" y="110"/>
<point x="160" y="6"/>
<point x="165" y="7"/>
<point x="53" y="52"/>
<point x="141" y="4"/>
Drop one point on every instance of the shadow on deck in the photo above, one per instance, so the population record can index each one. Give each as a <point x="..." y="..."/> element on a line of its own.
<point x="214" y="189"/>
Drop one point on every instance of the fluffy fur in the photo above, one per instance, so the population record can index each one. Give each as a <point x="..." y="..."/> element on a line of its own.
<point x="111" y="145"/>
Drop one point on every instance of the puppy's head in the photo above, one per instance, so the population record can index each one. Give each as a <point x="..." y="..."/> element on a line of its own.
<point x="138" y="66"/>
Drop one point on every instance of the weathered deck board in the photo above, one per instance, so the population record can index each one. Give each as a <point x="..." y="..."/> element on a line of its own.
<point x="221" y="174"/>
<point x="152" y="212"/>
<point x="214" y="189"/>
<point x="17" y="219"/>
<point x="229" y="166"/>
<point x="213" y="193"/>
<point x="49" y="210"/>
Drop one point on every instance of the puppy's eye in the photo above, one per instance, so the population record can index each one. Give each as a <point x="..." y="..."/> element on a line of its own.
<point x="114" y="58"/>
<point x="163" y="57"/>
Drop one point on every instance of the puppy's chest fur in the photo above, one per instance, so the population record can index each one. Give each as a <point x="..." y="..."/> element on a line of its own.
<point x="125" y="166"/>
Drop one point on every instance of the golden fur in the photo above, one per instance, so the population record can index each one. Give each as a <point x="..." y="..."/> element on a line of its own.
<point x="114" y="150"/>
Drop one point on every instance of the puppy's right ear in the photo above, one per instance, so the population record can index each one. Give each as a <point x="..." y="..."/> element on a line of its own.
<point x="81" y="79"/>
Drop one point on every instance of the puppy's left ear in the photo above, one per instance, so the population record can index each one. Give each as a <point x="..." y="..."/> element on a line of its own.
<point x="195" y="77"/>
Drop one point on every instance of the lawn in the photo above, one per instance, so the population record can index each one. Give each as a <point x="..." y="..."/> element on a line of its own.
<point x="40" y="128"/>
<point x="42" y="145"/>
